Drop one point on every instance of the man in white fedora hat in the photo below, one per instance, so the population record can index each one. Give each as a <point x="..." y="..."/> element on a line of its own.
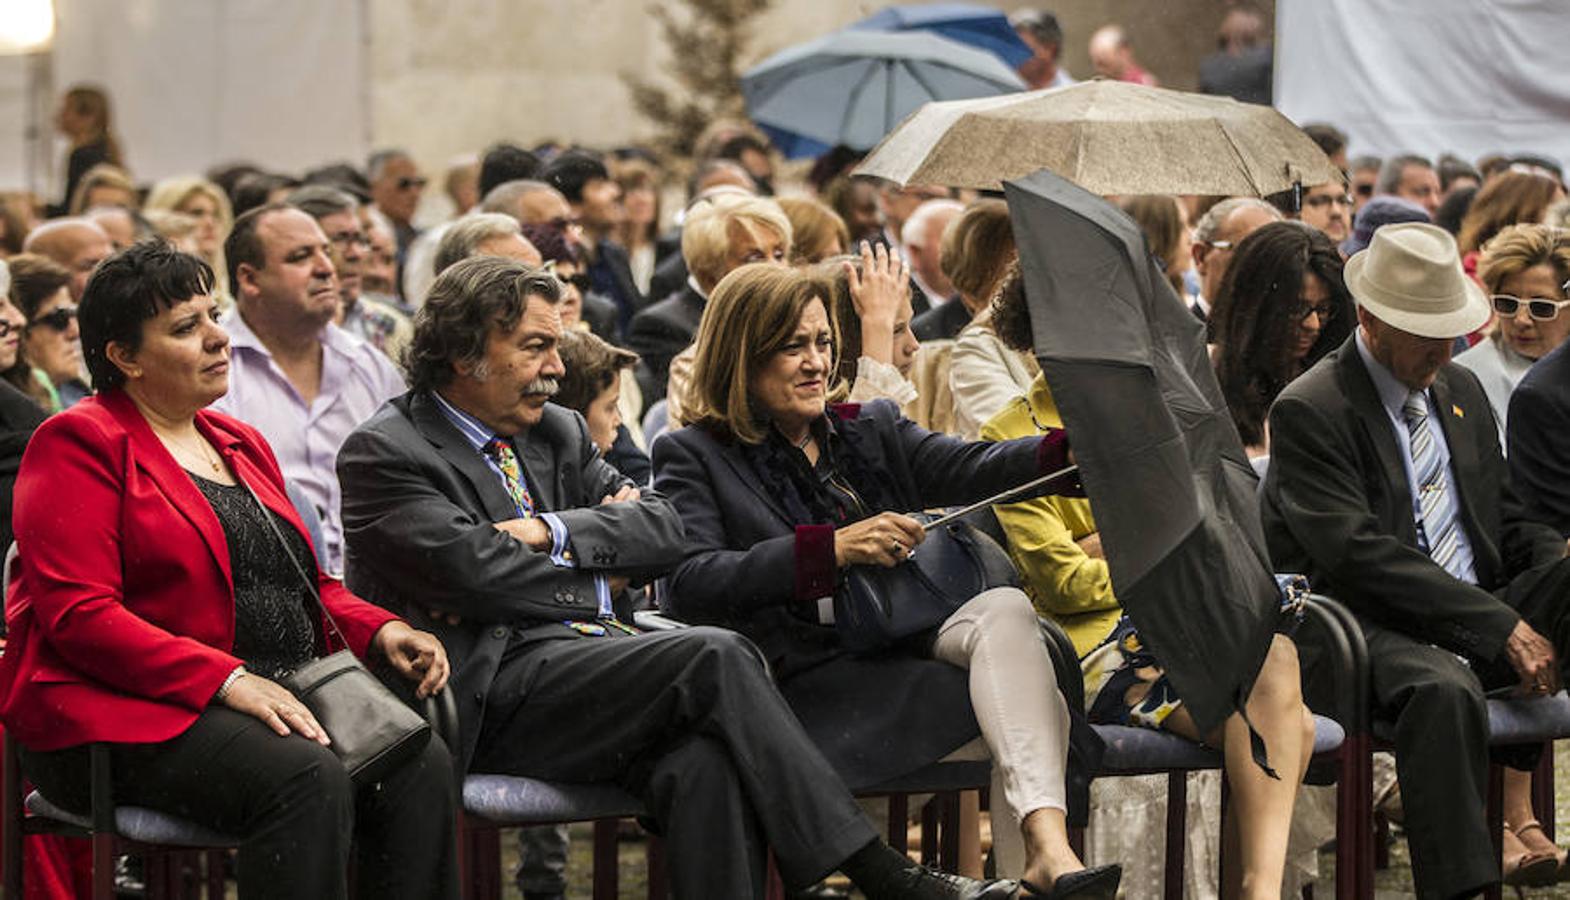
<point x="1387" y="488"/>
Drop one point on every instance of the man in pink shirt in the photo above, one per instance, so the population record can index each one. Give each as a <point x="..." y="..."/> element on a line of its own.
<point x="302" y="381"/>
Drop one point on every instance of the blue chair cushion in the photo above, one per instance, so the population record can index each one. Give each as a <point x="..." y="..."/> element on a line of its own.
<point x="1131" y="749"/>
<point x="1514" y="720"/>
<point x="136" y="823"/>
<point x="514" y="800"/>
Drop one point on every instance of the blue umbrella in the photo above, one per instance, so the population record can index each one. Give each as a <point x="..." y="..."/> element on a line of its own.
<point x="853" y="87"/>
<point x="968" y="23"/>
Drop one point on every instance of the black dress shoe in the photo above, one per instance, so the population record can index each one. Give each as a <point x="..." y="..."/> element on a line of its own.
<point x="1100" y="883"/>
<point x="920" y="881"/>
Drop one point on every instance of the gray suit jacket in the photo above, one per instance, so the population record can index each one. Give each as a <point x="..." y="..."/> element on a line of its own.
<point x="418" y="509"/>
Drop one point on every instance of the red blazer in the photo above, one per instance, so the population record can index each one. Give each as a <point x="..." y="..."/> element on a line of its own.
<point x="121" y="610"/>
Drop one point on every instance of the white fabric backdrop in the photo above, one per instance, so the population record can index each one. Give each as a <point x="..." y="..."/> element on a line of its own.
<point x="196" y="82"/>
<point x="1469" y="76"/>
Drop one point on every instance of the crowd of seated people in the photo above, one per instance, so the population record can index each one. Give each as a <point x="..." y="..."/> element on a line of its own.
<point x="522" y="417"/>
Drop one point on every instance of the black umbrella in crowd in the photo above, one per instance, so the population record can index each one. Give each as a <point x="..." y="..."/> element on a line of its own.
<point x="1168" y="481"/>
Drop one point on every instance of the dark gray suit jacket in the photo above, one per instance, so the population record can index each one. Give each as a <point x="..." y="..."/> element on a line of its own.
<point x="661" y="331"/>
<point x="418" y="509"/>
<point x="1338" y="508"/>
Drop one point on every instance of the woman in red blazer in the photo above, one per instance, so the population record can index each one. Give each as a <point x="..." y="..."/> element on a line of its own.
<point x="153" y="605"/>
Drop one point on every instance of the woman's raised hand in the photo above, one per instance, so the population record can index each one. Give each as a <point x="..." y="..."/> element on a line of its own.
<point x="273" y="704"/>
<point x="878" y="291"/>
<point x="882" y="540"/>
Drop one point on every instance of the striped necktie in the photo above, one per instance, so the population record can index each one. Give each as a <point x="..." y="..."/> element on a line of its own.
<point x="1438" y="533"/>
<point x="512" y="473"/>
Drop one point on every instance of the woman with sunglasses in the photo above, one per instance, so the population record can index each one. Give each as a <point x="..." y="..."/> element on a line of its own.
<point x="1281" y="306"/>
<point x="1524" y="268"/>
<point x="50" y="340"/>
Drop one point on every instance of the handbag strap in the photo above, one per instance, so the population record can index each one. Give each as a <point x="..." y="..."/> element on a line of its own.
<point x="310" y="583"/>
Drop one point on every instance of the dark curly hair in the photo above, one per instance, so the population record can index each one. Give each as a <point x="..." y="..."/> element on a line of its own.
<point x="1011" y="311"/>
<point x="1256" y="315"/>
<point x="470" y="299"/>
<point x="125" y="291"/>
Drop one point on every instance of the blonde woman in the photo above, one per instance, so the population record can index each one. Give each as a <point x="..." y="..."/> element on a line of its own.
<point x="206" y="202"/>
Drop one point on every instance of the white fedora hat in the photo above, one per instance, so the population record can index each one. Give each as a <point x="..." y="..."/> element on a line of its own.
<point x="1410" y="277"/>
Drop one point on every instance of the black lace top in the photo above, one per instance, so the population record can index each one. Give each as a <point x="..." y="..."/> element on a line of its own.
<point x="275" y="628"/>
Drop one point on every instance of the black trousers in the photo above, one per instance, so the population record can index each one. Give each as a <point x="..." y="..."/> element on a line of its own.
<point x="291" y="801"/>
<point x="690" y="721"/>
<point x="1438" y="705"/>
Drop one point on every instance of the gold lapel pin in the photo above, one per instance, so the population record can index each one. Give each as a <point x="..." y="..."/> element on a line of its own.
<point x="1458" y="411"/>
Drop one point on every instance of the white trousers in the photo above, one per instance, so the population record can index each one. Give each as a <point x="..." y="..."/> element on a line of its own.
<point x="1024" y="719"/>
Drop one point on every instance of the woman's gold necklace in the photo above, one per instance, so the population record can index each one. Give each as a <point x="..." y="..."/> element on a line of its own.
<point x="207" y="455"/>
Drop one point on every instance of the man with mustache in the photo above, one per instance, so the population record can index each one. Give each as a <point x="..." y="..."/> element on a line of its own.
<point x="486" y="512"/>
<point x="302" y="381"/>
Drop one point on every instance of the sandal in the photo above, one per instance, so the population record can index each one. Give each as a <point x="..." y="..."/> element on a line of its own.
<point x="1560" y="855"/>
<point x="1532" y="868"/>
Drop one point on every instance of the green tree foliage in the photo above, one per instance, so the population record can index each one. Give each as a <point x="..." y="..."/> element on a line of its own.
<point x="707" y="40"/>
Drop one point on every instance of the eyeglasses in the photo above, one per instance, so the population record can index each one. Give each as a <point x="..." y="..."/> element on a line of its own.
<point x="1364" y="190"/>
<point x="347" y="239"/>
<point x="1324" y="311"/>
<point x="6" y="328"/>
<point x="581" y="281"/>
<point x="566" y="223"/>
<point x="1319" y="200"/>
<point x="1220" y="245"/>
<point x="1540" y="308"/>
<point x="411" y="181"/>
<point x="58" y="319"/>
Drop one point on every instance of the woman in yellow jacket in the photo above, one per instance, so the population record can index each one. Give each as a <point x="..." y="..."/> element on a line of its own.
<point x="1054" y="543"/>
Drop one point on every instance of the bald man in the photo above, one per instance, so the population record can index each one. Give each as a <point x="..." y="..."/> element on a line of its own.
<point x="76" y="243"/>
<point x="1113" y="57"/>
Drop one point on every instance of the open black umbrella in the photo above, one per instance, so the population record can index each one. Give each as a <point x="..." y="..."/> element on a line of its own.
<point x="1171" y="489"/>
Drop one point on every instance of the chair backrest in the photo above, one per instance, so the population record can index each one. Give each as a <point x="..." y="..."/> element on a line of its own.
<point x="308" y="514"/>
<point x="11" y="556"/>
<point x="655" y="421"/>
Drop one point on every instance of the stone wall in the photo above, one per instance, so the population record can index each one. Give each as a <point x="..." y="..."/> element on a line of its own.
<point x="448" y="77"/>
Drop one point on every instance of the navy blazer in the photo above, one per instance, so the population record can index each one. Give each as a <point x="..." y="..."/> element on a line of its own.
<point x="1338" y="508"/>
<point x="875" y="718"/>
<point x="1539" y="438"/>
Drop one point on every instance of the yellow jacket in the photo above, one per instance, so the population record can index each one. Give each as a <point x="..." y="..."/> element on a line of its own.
<point x="1065" y="584"/>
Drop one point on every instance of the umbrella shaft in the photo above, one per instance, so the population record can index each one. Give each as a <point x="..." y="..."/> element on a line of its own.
<point x="1003" y="497"/>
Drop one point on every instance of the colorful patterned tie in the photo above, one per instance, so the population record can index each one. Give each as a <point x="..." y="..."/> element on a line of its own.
<point x="512" y="473"/>
<point x="1439" y="530"/>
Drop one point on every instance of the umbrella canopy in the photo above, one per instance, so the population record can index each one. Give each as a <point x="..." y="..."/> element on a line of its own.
<point x="1172" y="492"/>
<point x="968" y="23"/>
<point x="1108" y="137"/>
<point x="853" y="87"/>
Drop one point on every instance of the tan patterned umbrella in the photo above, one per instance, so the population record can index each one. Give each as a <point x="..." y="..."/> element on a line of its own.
<point x="1108" y="137"/>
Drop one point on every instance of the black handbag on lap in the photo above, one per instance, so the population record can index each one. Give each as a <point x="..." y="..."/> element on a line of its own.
<point x="877" y="607"/>
<point x="372" y="731"/>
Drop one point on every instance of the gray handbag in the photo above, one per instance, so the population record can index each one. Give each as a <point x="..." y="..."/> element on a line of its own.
<point x="372" y="731"/>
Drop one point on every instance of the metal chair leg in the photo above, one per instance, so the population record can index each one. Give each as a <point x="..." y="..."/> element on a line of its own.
<point x="1177" y="831"/>
<point x="607" y="876"/>
<point x="659" y="875"/>
<point x="1496" y="822"/>
<point x="899" y="822"/>
<point x="1543" y="790"/>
